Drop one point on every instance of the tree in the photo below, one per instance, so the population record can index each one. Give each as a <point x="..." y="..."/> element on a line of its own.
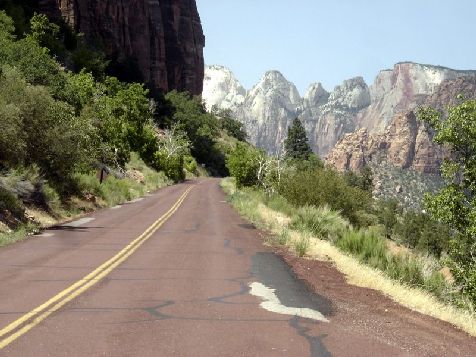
<point x="232" y="126"/>
<point x="455" y="204"/>
<point x="296" y="144"/>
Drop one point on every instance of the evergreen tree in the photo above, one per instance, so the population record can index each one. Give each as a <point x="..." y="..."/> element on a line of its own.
<point x="296" y="144"/>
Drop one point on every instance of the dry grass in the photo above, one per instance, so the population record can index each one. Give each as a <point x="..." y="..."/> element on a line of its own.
<point x="359" y="274"/>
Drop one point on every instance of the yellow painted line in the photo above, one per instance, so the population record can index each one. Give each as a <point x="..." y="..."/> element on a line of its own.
<point x="85" y="283"/>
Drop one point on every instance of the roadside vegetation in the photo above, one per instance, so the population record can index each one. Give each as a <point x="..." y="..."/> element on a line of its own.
<point x="319" y="212"/>
<point x="66" y="122"/>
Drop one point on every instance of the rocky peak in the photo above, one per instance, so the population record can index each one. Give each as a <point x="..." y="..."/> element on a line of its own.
<point x="163" y="39"/>
<point x="221" y="88"/>
<point x="268" y="110"/>
<point x="353" y="94"/>
<point x="315" y="96"/>
<point x="274" y="86"/>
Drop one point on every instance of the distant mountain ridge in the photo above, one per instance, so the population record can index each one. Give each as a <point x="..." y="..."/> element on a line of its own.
<point x="269" y="107"/>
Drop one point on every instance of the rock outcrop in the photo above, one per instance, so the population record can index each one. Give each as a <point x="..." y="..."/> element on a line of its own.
<point x="406" y="143"/>
<point x="162" y="38"/>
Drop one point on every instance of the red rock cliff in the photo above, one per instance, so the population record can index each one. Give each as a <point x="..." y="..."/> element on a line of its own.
<point x="163" y="37"/>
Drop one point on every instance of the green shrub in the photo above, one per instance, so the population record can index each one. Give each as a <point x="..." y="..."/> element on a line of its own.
<point x="10" y="202"/>
<point x="387" y="212"/>
<point x="172" y="166"/>
<point x="51" y="198"/>
<point x="243" y="164"/>
<point x="420" y="231"/>
<point x="321" y="187"/>
<point x="190" y="164"/>
<point x="405" y="269"/>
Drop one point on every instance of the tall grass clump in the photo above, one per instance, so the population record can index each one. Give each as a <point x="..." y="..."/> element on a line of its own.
<point x="283" y="237"/>
<point x="301" y="244"/>
<point x="366" y="245"/>
<point x="280" y="204"/>
<point x="320" y="221"/>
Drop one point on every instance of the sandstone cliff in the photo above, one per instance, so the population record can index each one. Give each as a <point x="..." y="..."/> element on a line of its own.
<point x="164" y="39"/>
<point x="406" y="143"/>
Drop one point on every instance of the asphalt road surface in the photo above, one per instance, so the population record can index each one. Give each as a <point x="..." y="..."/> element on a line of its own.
<point x="177" y="273"/>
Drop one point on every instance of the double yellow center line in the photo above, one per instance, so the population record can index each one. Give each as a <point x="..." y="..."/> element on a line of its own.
<point x="25" y="323"/>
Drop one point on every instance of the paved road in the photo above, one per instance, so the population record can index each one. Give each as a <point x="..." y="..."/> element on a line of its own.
<point x="178" y="273"/>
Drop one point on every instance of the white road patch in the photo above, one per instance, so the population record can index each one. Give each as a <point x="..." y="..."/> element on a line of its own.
<point x="80" y="222"/>
<point x="272" y="303"/>
<point x="116" y="207"/>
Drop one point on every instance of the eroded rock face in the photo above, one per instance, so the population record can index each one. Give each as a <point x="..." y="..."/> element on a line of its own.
<point x="401" y="89"/>
<point x="329" y="117"/>
<point x="406" y="143"/>
<point x="163" y="38"/>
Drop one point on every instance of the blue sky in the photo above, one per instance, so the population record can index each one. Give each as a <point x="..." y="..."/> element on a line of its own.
<point x="329" y="41"/>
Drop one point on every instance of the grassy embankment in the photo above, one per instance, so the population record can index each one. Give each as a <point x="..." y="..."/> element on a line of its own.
<point x="139" y="180"/>
<point x="367" y="260"/>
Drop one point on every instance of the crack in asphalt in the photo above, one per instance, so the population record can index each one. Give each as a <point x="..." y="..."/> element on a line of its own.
<point x="317" y="347"/>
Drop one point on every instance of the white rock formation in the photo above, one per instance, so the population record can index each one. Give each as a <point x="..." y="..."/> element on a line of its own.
<point x="269" y="107"/>
<point x="221" y="88"/>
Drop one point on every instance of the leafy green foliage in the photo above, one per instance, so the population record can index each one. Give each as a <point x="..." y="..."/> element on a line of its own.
<point x="321" y="187"/>
<point x="233" y="127"/>
<point x="387" y="213"/>
<point x="243" y="164"/>
<point x="202" y="129"/>
<point x="46" y="131"/>
<point x="363" y="181"/>
<point x="296" y="144"/>
<point x="455" y="204"/>
<point x="420" y="231"/>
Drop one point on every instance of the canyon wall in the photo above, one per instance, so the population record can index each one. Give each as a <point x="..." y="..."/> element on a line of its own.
<point x="162" y="38"/>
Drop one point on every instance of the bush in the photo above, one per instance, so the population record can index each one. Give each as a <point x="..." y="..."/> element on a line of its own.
<point x="172" y="166"/>
<point x="51" y="198"/>
<point x="321" y="187"/>
<point x="420" y="231"/>
<point x="10" y="202"/>
<point x="190" y="164"/>
<point x="279" y="203"/>
<point x="243" y="164"/>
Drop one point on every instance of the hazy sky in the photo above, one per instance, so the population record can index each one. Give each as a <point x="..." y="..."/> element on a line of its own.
<point x="329" y="41"/>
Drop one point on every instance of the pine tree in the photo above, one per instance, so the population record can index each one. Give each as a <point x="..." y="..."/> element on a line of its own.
<point x="296" y="144"/>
